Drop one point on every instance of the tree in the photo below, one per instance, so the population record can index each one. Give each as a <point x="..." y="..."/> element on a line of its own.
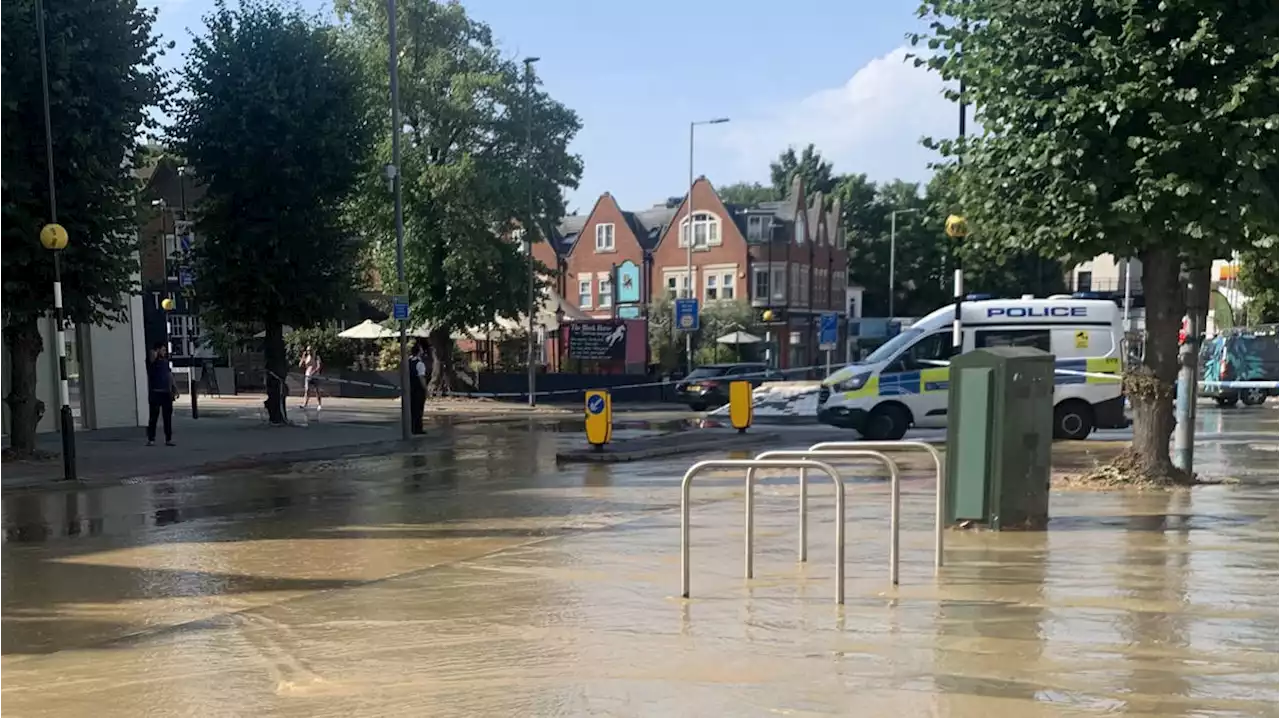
<point x="1259" y="280"/>
<point x="746" y="193"/>
<point x="465" y="175"/>
<point x="102" y="79"/>
<point x="813" y="170"/>
<point x="1140" y="129"/>
<point x="275" y="121"/>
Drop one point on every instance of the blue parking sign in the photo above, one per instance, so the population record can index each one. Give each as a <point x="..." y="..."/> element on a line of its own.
<point x="687" y="315"/>
<point x="828" y="331"/>
<point x="400" y="309"/>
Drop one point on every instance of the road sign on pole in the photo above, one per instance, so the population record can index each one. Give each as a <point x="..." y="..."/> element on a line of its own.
<point x="687" y="315"/>
<point x="828" y="331"/>
<point x="400" y="309"/>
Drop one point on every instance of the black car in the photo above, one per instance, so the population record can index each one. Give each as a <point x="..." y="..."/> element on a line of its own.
<point x="708" y="386"/>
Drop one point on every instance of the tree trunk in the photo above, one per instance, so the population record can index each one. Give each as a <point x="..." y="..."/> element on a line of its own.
<point x="441" y="382"/>
<point x="25" y="344"/>
<point x="1150" y="385"/>
<point x="277" y="372"/>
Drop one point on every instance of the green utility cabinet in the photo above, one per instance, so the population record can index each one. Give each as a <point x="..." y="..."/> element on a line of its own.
<point x="999" y="435"/>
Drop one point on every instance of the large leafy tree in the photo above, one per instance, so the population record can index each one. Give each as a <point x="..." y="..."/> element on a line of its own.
<point x="102" y="79"/>
<point x="467" y="116"/>
<point x="809" y="165"/>
<point x="1260" y="282"/>
<point x="746" y="193"/>
<point x="1137" y="128"/>
<point x="274" y="119"/>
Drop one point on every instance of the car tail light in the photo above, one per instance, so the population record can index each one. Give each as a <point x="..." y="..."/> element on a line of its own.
<point x="1222" y="369"/>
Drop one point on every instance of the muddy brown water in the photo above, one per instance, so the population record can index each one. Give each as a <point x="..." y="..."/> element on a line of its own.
<point x="484" y="580"/>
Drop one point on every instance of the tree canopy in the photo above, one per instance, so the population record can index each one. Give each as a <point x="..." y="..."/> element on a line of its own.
<point x="467" y="184"/>
<point x="1141" y="129"/>
<point x="814" y="171"/>
<point x="276" y="124"/>
<point x="103" y="78"/>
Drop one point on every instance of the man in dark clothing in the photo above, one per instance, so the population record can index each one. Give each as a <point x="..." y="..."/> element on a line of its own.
<point x="160" y="393"/>
<point x="417" y="388"/>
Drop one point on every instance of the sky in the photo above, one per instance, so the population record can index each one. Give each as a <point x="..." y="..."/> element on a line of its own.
<point x="790" y="73"/>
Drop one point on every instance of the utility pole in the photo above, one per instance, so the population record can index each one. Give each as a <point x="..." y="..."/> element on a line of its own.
<point x="191" y="305"/>
<point x="54" y="237"/>
<point x="691" y="292"/>
<point x="402" y="287"/>
<point x="528" y="231"/>
<point x="957" y="325"/>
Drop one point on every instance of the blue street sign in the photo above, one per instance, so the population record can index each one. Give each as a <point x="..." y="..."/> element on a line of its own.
<point x="687" y="315"/>
<point x="400" y="309"/>
<point x="828" y="331"/>
<point x="595" y="404"/>
<point x="186" y="243"/>
<point x="185" y="278"/>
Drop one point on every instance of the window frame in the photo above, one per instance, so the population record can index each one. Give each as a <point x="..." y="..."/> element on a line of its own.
<point x="728" y="286"/>
<point x="611" y="245"/>
<point x="710" y="220"/>
<point x="604" y="299"/>
<point x="756" y="274"/>
<point x="980" y="338"/>
<point x="589" y="294"/>
<point x="711" y="287"/>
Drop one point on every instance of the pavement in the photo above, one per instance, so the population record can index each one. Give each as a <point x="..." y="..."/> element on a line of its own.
<point x="475" y="576"/>
<point x="232" y="433"/>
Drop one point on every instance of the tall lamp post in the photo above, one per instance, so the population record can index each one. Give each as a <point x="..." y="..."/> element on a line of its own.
<point x="893" y="252"/>
<point x="393" y="173"/>
<point x="689" y="238"/>
<point x="191" y="311"/>
<point x="528" y="231"/>
<point x="53" y="237"/>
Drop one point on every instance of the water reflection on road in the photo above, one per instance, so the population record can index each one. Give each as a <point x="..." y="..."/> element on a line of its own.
<point x="476" y="577"/>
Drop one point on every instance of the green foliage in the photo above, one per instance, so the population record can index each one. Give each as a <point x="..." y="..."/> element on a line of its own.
<point x="336" y="353"/>
<point x="464" y="171"/>
<point x="665" y="346"/>
<point x="1114" y="127"/>
<point x="275" y="122"/>
<point x="813" y="170"/>
<point x="746" y="193"/>
<point x="1260" y="280"/>
<point x="1145" y="130"/>
<point x="103" y="78"/>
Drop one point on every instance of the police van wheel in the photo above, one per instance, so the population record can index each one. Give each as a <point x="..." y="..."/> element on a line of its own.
<point x="1254" y="397"/>
<point x="887" y="422"/>
<point x="1072" y="420"/>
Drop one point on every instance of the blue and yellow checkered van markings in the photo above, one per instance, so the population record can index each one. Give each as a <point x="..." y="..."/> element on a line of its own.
<point x="931" y="380"/>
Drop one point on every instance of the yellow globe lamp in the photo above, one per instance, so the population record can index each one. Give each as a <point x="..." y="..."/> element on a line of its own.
<point x="53" y="236"/>
<point x="767" y="315"/>
<point x="167" y="304"/>
<point x="957" y="227"/>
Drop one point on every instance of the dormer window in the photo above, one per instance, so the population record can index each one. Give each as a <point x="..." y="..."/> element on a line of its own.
<point x="706" y="230"/>
<point x="604" y="237"/>
<point x="758" y="227"/>
<point x="799" y="224"/>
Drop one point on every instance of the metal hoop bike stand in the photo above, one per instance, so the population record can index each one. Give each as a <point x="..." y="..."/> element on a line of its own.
<point x="749" y="464"/>
<point x="940" y="496"/>
<point x="894" y="501"/>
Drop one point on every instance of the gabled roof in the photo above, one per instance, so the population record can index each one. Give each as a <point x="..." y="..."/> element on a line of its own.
<point x="649" y="224"/>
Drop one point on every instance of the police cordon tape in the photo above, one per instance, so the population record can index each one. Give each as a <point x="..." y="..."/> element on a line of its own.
<point x="645" y="385"/>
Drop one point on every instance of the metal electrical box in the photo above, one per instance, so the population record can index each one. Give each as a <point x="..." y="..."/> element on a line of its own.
<point x="999" y="437"/>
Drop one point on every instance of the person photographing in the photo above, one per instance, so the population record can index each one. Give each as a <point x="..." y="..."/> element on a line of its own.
<point x="311" y="367"/>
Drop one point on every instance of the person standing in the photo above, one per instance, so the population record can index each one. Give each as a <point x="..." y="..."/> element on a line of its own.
<point x="161" y="393"/>
<point x="417" y="387"/>
<point x="311" y="366"/>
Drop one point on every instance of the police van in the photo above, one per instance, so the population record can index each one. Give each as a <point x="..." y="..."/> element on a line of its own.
<point x="903" y="383"/>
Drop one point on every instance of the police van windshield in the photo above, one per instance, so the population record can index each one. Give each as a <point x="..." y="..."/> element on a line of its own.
<point x="889" y="349"/>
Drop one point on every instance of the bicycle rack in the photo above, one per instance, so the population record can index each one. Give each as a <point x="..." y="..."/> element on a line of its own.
<point x="749" y="464"/>
<point x="940" y="497"/>
<point x="894" y="491"/>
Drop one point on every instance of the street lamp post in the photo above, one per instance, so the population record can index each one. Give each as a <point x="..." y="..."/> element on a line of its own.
<point x="191" y="311"/>
<point x="393" y="171"/>
<point x="528" y="231"/>
<point x="689" y="233"/>
<point x="54" y="238"/>
<point x="893" y="251"/>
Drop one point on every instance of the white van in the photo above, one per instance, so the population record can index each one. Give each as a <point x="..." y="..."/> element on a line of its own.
<point x="904" y="382"/>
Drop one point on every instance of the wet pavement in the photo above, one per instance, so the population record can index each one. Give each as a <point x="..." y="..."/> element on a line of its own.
<point x="476" y="577"/>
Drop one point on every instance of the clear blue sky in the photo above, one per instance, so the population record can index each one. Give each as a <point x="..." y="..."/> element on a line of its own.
<point x="786" y="73"/>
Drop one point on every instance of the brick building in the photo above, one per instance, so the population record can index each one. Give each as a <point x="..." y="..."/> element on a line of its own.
<point x="787" y="257"/>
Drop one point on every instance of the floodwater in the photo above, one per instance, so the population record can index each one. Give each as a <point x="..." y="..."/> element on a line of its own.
<point x="478" y="578"/>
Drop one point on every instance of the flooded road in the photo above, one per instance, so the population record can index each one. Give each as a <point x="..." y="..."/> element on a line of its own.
<point x="476" y="577"/>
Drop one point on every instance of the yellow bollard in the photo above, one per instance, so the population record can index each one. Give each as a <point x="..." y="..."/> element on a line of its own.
<point x="740" y="405"/>
<point x="599" y="418"/>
